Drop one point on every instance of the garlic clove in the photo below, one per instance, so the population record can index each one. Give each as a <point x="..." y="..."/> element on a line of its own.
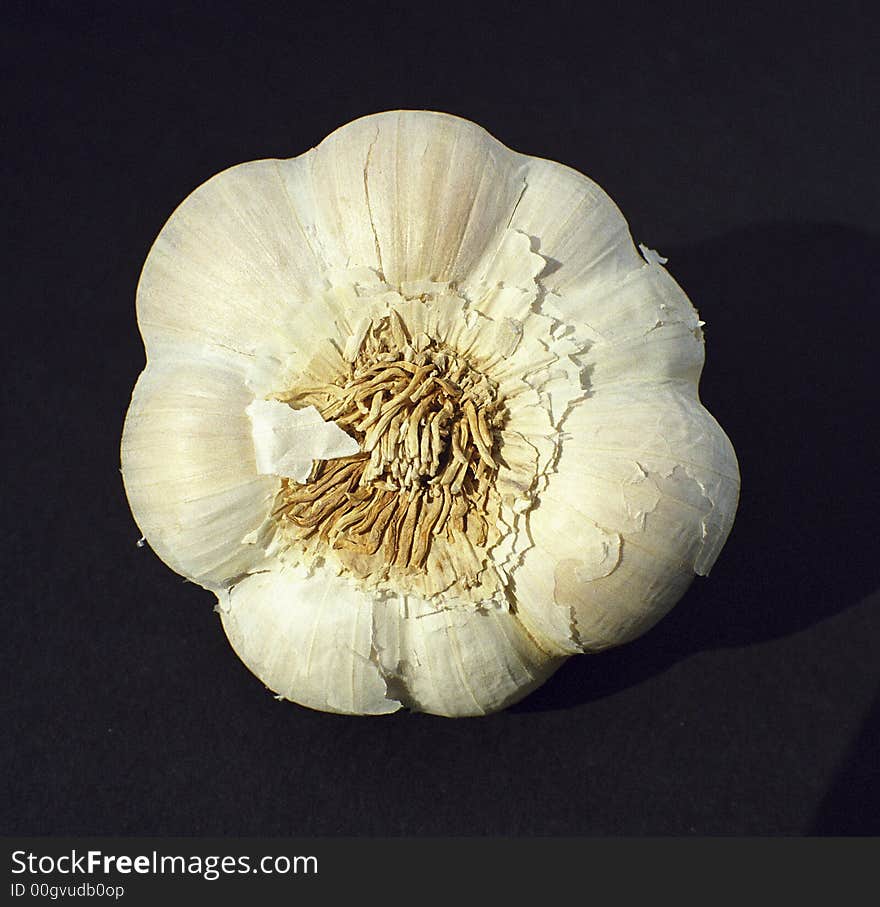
<point x="666" y="429"/>
<point x="457" y="663"/>
<point x="597" y="283"/>
<point x="309" y="639"/>
<point x="575" y="227"/>
<point x="587" y="610"/>
<point x="643" y="329"/>
<point x="433" y="191"/>
<point x="229" y="267"/>
<point x="317" y="640"/>
<point x="643" y="499"/>
<point x="189" y="471"/>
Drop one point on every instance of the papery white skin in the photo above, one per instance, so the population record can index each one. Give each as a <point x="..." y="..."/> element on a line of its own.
<point x="619" y="486"/>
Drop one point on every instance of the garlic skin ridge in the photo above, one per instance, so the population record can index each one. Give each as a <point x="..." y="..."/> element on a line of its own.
<point x="585" y="505"/>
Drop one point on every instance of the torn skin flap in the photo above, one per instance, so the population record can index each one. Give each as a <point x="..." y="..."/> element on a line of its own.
<point x="287" y="440"/>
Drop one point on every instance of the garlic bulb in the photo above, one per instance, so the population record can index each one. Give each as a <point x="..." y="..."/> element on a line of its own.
<point x="422" y="417"/>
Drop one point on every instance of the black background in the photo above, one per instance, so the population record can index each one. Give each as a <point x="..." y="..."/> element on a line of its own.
<point x="743" y="146"/>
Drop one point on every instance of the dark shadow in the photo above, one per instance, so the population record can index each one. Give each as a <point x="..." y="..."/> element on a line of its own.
<point x="851" y="806"/>
<point x="791" y="314"/>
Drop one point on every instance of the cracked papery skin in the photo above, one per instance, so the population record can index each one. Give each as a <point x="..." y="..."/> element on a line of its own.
<point x="422" y="417"/>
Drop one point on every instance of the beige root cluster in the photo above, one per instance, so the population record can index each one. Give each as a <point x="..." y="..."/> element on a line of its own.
<point x="426" y="423"/>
